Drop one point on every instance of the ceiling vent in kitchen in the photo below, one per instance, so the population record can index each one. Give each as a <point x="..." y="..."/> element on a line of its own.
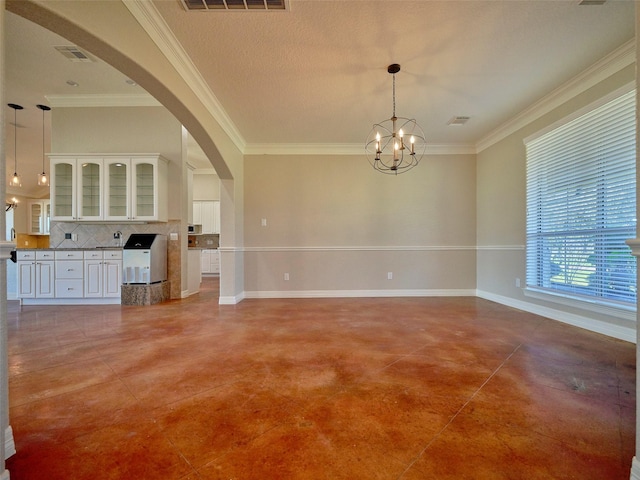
<point x="73" y="53"/>
<point x="458" y="120"/>
<point x="221" y="5"/>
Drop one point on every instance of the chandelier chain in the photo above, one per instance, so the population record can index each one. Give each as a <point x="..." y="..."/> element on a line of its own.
<point x="394" y="94"/>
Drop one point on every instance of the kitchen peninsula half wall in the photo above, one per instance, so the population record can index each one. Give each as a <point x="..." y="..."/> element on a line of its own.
<point x="89" y="235"/>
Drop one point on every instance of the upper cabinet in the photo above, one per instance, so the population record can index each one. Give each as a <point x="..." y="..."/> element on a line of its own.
<point x="207" y="214"/>
<point x="109" y="188"/>
<point x="39" y="216"/>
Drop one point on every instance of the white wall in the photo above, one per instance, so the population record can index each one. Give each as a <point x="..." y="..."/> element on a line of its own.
<point x="206" y="186"/>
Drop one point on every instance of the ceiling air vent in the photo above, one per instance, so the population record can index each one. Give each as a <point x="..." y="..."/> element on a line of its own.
<point x="218" y="5"/>
<point x="458" y="120"/>
<point x="73" y="53"/>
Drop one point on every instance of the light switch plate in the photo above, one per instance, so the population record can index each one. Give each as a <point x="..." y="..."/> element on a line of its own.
<point x="173" y="236"/>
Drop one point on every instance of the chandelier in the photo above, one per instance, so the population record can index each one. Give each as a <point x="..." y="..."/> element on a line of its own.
<point x="395" y="145"/>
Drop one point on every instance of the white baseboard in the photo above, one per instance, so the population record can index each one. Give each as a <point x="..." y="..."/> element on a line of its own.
<point x="635" y="469"/>
<point x="4" y="475"/>
<point x="231" y="299"/>
<point x="9" y="444"/>
<point x="359" y="293"/>
<point x="591" y="324"/>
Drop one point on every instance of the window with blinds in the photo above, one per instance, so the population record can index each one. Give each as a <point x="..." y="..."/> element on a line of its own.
<point x="581" y="206"/>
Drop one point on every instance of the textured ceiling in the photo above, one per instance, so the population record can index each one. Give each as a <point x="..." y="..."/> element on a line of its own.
<point x="316" y="74"/>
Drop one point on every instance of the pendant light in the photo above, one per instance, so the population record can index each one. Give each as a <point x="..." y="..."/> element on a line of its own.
<point x="15" y="179"/>
<point x="43" y="179"/>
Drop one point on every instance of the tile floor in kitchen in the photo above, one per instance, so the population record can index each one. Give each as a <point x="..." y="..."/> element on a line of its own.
<point x="369" y="388"/>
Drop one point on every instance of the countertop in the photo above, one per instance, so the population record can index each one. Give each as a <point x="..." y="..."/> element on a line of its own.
<point x="67" y="249"/>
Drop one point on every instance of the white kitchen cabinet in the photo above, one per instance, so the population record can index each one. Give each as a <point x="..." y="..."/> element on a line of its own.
<point x="102" y="273"/>
<point x="197" y="213"/>
<point x="68" y="274"/>
<point x="209" y="261"/>
<point x="112" y="273"/>
<point x="93" y="273"/>
<point x="207" y="218"/>
<point x="205" y="261"/>
<point x="76" y="188"/>
<point x="216" y="217"/>
<point x="117" y="189"/>
<point x="90" y="184"/>
<point x="149" y="189"/>
<point x="26" y="262"/>
<point x="35" y="274"/>
<point x="63" y="189"/>
<point x="109" y="187"/>
<point x="207" y="214"/>
<point x="39" y="212"/>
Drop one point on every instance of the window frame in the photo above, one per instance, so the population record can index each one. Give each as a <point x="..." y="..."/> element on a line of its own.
<point x="534" y="258"/>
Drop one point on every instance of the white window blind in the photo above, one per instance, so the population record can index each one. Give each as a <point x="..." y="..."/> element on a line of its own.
<point x="581" y="206"/>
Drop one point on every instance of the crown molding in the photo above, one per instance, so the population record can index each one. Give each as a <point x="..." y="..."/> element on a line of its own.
<point x="95" y="100"/>
<point x="155" y="26"/>
<point x="612" y="63"/>
<point x="160" y="33"/>
<point x="342" y="149"/>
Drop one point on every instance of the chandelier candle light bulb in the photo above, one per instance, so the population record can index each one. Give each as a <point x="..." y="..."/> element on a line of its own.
<point x="385" y="147"/>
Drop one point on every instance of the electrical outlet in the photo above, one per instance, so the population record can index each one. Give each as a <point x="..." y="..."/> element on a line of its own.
<point x="517" y="282"/>
<point x="286" y="277"/>
<point x="74" y="237"/>
<point x="389" y="275"/>
<point x="264" y="222"/>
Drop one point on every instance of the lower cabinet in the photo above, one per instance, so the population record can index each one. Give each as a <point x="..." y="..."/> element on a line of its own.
<point x="69" y="276"/>
<point x="209" y="261"/>
<point x="69" y="273"/>
<point x="102" y="274"/>
<point x="36" y="274"/>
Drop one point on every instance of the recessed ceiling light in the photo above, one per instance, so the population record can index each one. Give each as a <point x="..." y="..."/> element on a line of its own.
<point x="72" y="83"/>
<point x="128" y="81"/>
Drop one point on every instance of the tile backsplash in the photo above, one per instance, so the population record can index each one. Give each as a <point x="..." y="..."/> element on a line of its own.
<point x="91" y="235"/>
<point x="204" y="241"/>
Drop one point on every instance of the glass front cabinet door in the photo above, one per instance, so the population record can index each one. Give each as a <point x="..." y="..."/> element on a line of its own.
<point x="117" y="176"/>
<point x="39" y="217"/>
<point x="149" y="200"/>
<point x="89" y="195"/>
<point x="109" y="188"/>
<point x="62" y="189"/>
